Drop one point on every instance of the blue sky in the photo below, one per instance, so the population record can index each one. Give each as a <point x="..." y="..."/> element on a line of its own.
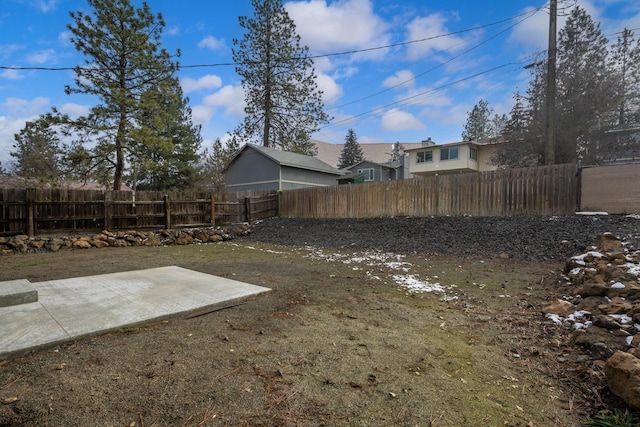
<point x="408" y="92"/>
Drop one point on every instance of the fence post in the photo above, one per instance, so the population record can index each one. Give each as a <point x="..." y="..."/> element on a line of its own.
<point x="278" y="196"/>
<point x="247" y="208"/>
<point x="213" y="210"/>
<point x="167" y="212"/>
<point x="31" y="226"/>
<point x="579" y="187"/>
<point x="107" y="209"/>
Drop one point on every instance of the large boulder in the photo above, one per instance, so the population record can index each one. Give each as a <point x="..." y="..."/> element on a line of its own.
<point x="623" y="377"/>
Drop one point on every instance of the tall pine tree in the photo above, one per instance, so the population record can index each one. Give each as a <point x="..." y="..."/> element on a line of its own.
<point x="37" y="151"/>
<point x="351" y="153"/>
<point x="478" y="125"/>
<point x="166" y="144"/>
<point x="283" y="103"/>
<point x="585" y="92"/>
<point x="625" y="63"/>
<point x="123" y="62"/>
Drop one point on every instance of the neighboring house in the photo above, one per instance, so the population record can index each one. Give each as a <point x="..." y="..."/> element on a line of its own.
<point x="255" y="167"/>
<point x="375" y="172"/>
<point x="457" y="157"/>
<point x="374" y="152"/>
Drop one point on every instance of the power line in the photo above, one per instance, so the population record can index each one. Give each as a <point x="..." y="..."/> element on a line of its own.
<point x="350" y="52"/>
<point x="404" y="100"/>
<point x="530" y="14"/>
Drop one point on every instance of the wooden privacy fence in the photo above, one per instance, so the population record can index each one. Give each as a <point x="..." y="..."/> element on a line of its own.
<point x="537" y="191"/>
<point x="45" y="211"/>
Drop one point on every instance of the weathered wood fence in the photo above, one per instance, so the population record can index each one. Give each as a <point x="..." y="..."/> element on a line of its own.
<point x="538" y="191"/>
<point x="45" y="211"/>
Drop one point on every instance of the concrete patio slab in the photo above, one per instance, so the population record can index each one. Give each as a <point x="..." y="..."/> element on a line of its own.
<point x="15" y="292"/>
<point x="69" y="309"/>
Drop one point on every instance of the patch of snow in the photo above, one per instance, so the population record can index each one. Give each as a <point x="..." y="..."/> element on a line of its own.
<point x="580" y="258"/>
<point x="617" y="285"/>
<point x="554" y="318"/>
<point x="592" y="213"/>
<point x="621" y="318"/>
<point x="629" y="340"/>
<point x="633" y="216"/>
<point x="633" y="269"/>
<point x="413" y="283"/>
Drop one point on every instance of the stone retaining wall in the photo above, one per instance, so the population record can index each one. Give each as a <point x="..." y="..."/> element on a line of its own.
<point x="183" y="236"/>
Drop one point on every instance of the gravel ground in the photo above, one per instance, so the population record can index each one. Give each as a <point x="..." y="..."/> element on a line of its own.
<point x="537" y="239"/>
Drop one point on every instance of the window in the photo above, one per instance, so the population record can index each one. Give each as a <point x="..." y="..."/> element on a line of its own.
<point x="449" y="153"/>
<point x="473" y="153"/>
<point x="368" y="174"/>
<point x="424" y="156"/>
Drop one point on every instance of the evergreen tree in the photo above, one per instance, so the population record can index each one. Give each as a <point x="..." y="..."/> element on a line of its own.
<point x="625" y="62"/>
<point x="351" y="153"/>
<point x="37" y="151"/>
<point x="166" y="144"/>
<point x="397" y="151"/>
<point x="283" y="104"/>
<point x="517" y="147"/>
<point x="123" y="62"/>
<point x="478" y="125"/>
<point x="217" y="161"/>
<point x="585" y="92"/>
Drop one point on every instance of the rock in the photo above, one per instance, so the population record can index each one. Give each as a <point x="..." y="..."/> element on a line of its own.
<point x="81" y="244"/>
<point x="616" y="306"/>
<point x="99" y="243"/>
<point x="153" y="241"/>
<point x="37" y="244"/>
<point x="605" y="322"/>
<point x="607" y="242"/>
<point x="589" y="337"/>
<point x="592" y="290"/>
<point x="559" y="307"/>
<point x="591" y="304"/>
<point x="54" y="244"/>
<point x="216" y="238"/>
<point x="622" y="371"/>
<point x="184" y="239"/>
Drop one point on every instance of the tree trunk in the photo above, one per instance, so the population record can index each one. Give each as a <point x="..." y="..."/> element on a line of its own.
<point x="120" y="139"/>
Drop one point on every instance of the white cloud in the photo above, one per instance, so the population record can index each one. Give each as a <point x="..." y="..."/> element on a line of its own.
<point x="347" y="24"/>
<point x="41" y="57"/>
<point x="331" y="91"/>
<point x="12" y="75"/>
<point x="398" y="120"/>
<point x="532" y="33"/>
<point x="211" y="43"/>
<point x="432" y="26"/>
<point x="9" y="126"/>
<point x="74" y="110"/>
<point x="173" y="31"/>
<point x="44" y="5"/>
<point x="399" y="78"/>
<point x="19" y="106"/>
<point x="7" y="49"/>
<point x="64" y="38"/>
<point x="210" y="81"/>
<point x="230" y="98"/>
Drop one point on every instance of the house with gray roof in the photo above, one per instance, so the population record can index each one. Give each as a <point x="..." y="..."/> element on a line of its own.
<point x="255" y="167"/>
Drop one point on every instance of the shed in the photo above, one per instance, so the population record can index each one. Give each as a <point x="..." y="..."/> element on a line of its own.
<point x="255" y="167"/>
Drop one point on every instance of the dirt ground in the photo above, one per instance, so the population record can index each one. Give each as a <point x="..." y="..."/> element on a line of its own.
<point x="337" y="342"/>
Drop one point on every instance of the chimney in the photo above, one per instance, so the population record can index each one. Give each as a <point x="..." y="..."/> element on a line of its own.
<point x="428" y="142"/>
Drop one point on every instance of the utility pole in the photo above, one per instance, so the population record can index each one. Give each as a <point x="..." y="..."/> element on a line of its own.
<point x="550" y="145"/>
